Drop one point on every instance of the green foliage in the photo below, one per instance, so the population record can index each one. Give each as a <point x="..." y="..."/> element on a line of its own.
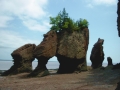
<point x="82" y="23"/>
<point x="62" y="22"/>
<point x="55" y="22"/>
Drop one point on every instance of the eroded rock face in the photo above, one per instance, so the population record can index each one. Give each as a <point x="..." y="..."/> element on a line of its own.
<point x="97" y="54"/>
<point x="48" y="46"/>
<point x="23" y="58"/>
<point x="118" y="18"/>
<point x="72" y="49"/>
<point x="43" y="52"/>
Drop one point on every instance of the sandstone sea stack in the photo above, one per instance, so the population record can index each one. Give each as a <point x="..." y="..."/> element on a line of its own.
<point x="97" y="54"/>
<point x="23" y="58"/>
<point x="72" y="49"/>
<point x="68" y="41"/>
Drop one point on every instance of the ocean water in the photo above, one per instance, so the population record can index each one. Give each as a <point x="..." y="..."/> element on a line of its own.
<point x="5" y="65"/>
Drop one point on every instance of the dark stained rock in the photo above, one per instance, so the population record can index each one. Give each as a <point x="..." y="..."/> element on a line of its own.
<point x="97" y="54"/>
<point x="118" y="18"/>
<point x="72" y="49"/>
<point x="43" y="52"/>
<point x="70" y="65"/>
<point x="118" y="86"/>
<point x="23" y="58"/>
<point x="116" y="66"/>
<point x="109" y="59"/>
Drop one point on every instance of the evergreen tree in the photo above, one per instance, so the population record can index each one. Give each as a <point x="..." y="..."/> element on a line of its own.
<point x="62" y="22"/>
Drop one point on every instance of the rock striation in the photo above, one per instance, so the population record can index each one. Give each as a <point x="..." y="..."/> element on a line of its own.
<point x="23" y="58"/>
<point x="97" y="54"/>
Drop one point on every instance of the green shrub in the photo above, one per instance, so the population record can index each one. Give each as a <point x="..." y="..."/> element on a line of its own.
<point x="82" y="23"/>
<point x="62" y="22"/>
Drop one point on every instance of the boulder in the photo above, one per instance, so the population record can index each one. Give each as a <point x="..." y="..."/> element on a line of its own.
<point x="43" y="52"/>
<point x="23" y="58"/>
<point x="97" y="54"/>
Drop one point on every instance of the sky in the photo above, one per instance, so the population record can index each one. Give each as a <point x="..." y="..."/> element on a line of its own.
<point x="25" y="21"/>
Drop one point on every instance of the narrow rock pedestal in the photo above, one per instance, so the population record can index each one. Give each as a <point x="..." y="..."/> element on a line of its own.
<point x="97" y="54"/>
<point x="41" y="69"/>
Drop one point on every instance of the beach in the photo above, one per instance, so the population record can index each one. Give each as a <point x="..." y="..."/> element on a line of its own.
<point x="99" y="79"/>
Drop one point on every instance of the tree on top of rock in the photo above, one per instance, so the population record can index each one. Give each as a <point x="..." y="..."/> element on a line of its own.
<point x="63" y="22"/>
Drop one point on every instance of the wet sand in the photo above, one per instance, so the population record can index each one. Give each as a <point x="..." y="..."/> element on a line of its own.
<point x="99" y="79"/>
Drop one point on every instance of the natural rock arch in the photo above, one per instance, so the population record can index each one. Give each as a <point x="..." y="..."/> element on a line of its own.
<point x="70" y="48"/>
<point x="53" y="63"/>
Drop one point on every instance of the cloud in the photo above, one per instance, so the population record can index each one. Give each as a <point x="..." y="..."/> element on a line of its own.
<point x="21" y="8"/>
<point x="9" y="39"/>
<point x="92" y="3"/>
<point x="26" y="10"/>
<point x="105" y="2"/>
<point x="4" y="20"/>
<point x="37" y="26"/>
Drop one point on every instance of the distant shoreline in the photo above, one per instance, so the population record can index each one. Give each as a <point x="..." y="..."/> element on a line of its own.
<point x="6" y="64"/>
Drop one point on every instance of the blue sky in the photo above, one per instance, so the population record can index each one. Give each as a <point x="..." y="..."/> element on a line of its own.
<point x="25" y="21"/>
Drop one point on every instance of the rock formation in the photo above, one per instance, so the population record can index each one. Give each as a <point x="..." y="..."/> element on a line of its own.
<point x="43" y="52"/>
<point x="116" y="66"/>
<point x="109" y="59"/>
<point x="97" y="54"/>
<point x="71" y="52"/>
<point x="118" y="25"/>
<point x="23" y="58"/>
<point x="69" y="48"/>
<point x="118" y="18"/>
